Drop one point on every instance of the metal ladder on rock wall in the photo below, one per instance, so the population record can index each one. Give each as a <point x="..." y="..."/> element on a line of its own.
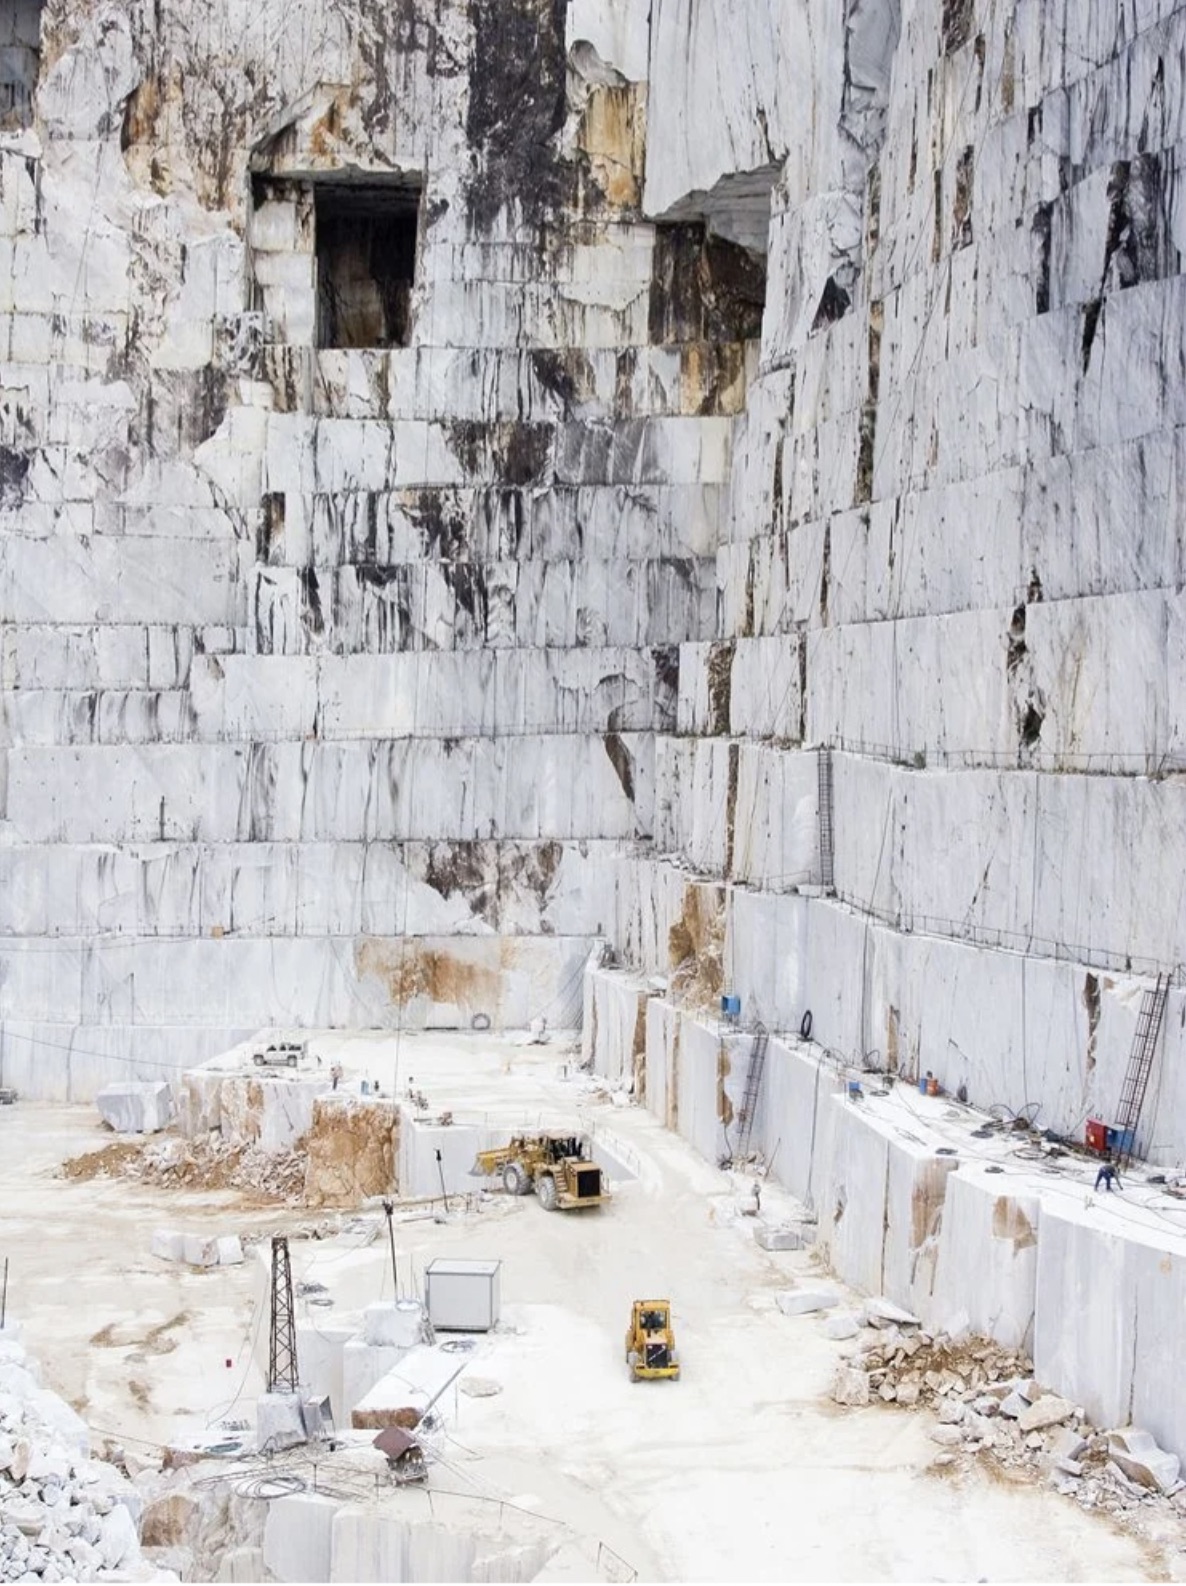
<point x="753" y="1089"/>
<point x="824" y="773"/>
<point x="1140" y="1065"/>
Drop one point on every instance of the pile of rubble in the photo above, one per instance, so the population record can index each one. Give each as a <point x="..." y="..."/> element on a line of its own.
<point x="63" y="1515"/>
<point x="987" y="1403"/>
<point x="208" y="1163"/>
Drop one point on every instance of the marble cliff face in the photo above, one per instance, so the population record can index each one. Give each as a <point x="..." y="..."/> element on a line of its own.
<point x="458" y="463"/>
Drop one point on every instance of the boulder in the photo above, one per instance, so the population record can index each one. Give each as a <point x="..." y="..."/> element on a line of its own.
<point x="201" y="1250"/>
<point x="884" y="1313"/>
<point x="842" y="1325"/>
<point x="798" y="1302"/>
<point x="784" y="1237"/>
<point x="166" y="1520"/>
<point x="480" y="1387"/>
<point x="1066" y="1443"/>
<point x="168" y="1244"/>
<point x="977" y="1428"/>
<point x="850" y="1386"/>
<point x="24" y="1513"/>
<point x="1049" y="1410"/>
<point x="1142" y="1460"/>
<point x="136" y="1108"/>
<point x="230" y="1251"/>
<point x="18" y="1464"/>
<point x="946" y="1436"/>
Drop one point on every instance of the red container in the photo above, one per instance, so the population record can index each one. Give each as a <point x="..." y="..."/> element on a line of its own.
<point x="1097" y="1136"/>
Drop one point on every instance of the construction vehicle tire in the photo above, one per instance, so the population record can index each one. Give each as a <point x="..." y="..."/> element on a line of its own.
<point x="545" y="1189"/>
<point x="514" y="1179"/>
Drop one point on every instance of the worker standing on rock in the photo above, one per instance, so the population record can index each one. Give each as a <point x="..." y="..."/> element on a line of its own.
<point x="1107" y="1176"/>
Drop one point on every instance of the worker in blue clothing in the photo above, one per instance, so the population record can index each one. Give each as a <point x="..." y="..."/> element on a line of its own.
<point x="1107" y="1176"/>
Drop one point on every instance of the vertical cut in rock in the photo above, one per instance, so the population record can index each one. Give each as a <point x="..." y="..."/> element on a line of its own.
<point x="956" y="24"/>
<point x="961" y="208"/>
<point x="1091" y="1001"/>
<point x="622" y="761"/>
<point x="873" y="207"/>
<point x="1040" y="229"/>
<point x="1091" y="319"/>
<point x="731" y="807"/>
<point x="863" y="492"/>
<point x="720" y="686"/>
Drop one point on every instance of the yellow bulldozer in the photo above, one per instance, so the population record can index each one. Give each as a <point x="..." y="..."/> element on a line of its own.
<point x="558" y="1167"/>
<point x="650" y="1342"/>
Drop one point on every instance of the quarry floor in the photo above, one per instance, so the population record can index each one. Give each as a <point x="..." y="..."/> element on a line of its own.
<point x="744" y="1469"/>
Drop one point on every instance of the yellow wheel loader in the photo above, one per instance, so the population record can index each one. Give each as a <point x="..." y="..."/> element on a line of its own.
<point x="558" y="1167"/>
<point x="650" y="1342"/>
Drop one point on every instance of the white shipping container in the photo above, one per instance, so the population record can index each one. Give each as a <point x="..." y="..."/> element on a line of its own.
<point x="463" y="1296"/>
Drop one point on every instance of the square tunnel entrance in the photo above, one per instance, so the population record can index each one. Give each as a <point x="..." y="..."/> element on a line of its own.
<point x="366" y="261"/>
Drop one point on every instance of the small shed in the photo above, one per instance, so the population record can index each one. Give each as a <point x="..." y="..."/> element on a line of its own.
<point x="463" y="1296"/>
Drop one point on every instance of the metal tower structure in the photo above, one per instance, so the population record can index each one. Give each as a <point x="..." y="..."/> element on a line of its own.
<point x="282" y="1351"/>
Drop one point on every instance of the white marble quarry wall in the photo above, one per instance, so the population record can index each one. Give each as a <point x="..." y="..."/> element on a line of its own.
<point x="799" y="1119"/>
<point x="664" y="1027"/>
<point x="939" y="850"/>
<point x="1050" y="1037"/>
<point x="880" y="1217"/>
<point x="1106" y="1300"/>
<point x="510" y="636"/>
<point x="950" y="544"/>
<point x="996" y="1293"/>
<point x="151" y="1009"/>
<point x="1023" y="1031"/>
<point x="305" y="648"/>
<point x="613" y="1027"/>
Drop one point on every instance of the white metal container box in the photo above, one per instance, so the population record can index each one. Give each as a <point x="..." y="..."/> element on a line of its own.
<point x="462" y="1295"/>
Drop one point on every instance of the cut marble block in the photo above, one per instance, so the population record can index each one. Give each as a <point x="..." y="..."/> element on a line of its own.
<point x="136" y="1108"/>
